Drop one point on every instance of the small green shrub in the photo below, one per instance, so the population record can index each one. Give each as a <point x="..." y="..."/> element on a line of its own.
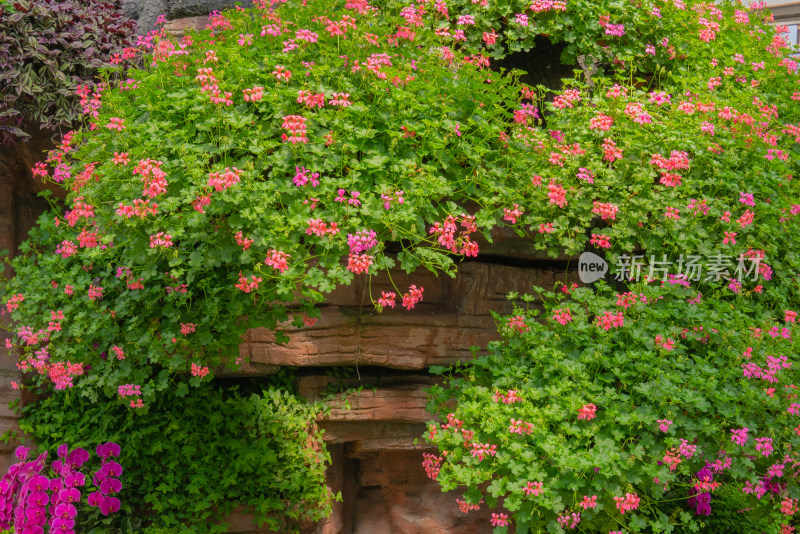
<point x="189" y="461"/>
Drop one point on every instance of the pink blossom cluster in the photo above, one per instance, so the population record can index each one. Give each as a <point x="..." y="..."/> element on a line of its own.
<point x="413" y="296"/>
<point x="665" y="343"/>
<point x="303" y="176"/>
<point x="659" y="98"/>
<point x="483" y="450"/>
<point x="466" y="507"/>
<point x="764" y="446"/>
<point x="563" y="316"/>
<point x="610" y="320"/>
<point x="225" y="179"/>
<point x="342" y="197"/>
<point x="720" y="465"/>
<point x="14" y="301"/>
<point x="278" y="260"/>
<point x="248" y="285"/>
<point x="556" y="194"/>
<point x="63" y="373"/>
<point x="95" y="292"/>
<point x="601" y="122"/>
<point x="388" y="198"/>
<point x="311" y="99"/>
<point x="567" y="99"/>
<point x="340" y="100"/>
<point x="141" y="208"/>
<point x="282" y="73"/>
<point x="585" y="174"/>
<point x="376" y="62"/>
<point x="306" y="35"/>
<point x="188" y="328"/>
<point x="432" y="465"/>
<point x="337" y="28"/>
<point x="611" y="152"/>
<point x="387" y="299"/>
<point x="600" y="241"/>
<point x="540" y="6"/>
<point x="512" y="214"/>
<point x="129" y="390"/>
<point x="774" y="365"/>
<point x="446" y="234"/>
<point x="739" y="435"/>
<point x="362" y="241"/>
<point x="296" y="127"/>
<point x="587" y="412"/>
<point x="80" y="209"/>
<point x="90" y="104"/>
<point x="517" y="324"/>
<point x="54" y="325"/>
<point x="499" y="520"/>
<point x="686" y="449"/>
<point x="199" y="371"/>
<point x="607" y="211"/>
<point x="569" y="521"/>
<point x="61" y="174"/>
<point x="201" y="202"/>
<point x="271" y="29"/>
<point x="525" y="113"/>
<point x="626" y="300"/>
<point x="533" y="488"/>
<point x="253" y="95"/>
<point x="319" y="228"/>
<point x="758" y="489"/>
<point x="627" y="503"/>
<point x="242" y="241"/>
<point x="153" y="177"/>
<point x="664" y="424"/>
<point x="161" y="239"/>
<point x="24" y="491"/>
<point x="87" y="239"/>
<point x="359" y="263"/>
<point x="115" y="123"/>
<point x="520" y="427"/>
<point x="117" y="350"/>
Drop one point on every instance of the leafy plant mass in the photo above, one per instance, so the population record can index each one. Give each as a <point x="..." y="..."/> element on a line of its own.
<point x="47" y="48"/>
<point x="249" y="169"/>
<point x="191" y="460"/>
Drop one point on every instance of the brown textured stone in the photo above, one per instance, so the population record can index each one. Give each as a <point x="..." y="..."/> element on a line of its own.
<point x="399" y="404"/>
<point x="350" y="431"/>
<point x="335" y="478"/>
<point x="415" y="341"/>
<point x="451" y="319"/>
<point x="178" y="27"/>
<point x="399" y="399"/>
<point x="358" y="449"/>
<point x="20" y="207"/>
<point x="396" y="497"/>
<point x="7" y="392"/>
<point x="9" y="424"/>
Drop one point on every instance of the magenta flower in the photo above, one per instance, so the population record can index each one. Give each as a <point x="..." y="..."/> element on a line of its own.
<point x="664" y="424"/>
<point x="739" y="436"/>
